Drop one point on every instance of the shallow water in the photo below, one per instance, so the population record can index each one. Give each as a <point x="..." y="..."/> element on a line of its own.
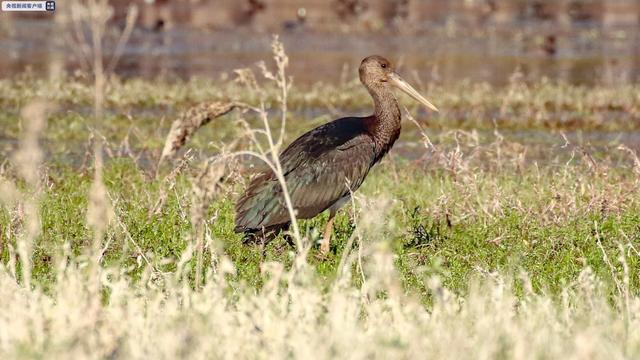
<point x="584" y="54"/>
<point x="542" y="146"/>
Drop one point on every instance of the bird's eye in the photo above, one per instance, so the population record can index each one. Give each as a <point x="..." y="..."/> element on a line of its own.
<point x="383" y="65"/>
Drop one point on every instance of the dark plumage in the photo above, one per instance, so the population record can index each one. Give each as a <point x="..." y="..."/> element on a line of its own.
<point x="323" y="166"/>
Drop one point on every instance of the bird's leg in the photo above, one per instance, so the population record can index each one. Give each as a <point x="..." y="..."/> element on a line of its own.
<point x="326" y="239"/>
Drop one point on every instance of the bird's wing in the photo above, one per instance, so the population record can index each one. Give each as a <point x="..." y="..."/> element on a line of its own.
<point x="320" y="168"/>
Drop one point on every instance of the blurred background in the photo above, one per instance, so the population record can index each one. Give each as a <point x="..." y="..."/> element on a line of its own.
<point x="444" y="41"/>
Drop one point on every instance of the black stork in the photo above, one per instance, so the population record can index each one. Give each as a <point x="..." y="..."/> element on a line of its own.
<point x="322" y="167"/>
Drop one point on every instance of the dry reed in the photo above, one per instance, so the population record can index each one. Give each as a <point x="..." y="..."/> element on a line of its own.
<point x="190" y="121"/>
<point x="105" y="313"/>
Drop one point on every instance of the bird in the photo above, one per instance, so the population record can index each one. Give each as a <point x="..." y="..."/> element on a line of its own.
<point x="324" y="166"/>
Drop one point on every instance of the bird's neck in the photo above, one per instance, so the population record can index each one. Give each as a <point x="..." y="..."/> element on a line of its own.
<point x="385" y="125"/>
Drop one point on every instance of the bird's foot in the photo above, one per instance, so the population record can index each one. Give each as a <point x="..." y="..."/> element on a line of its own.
<point x="321" y="256"/>
<point x="324" y="249"/>
<point x="326" y="238"/>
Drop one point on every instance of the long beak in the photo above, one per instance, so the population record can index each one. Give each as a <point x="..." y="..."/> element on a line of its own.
<point x="404" y="86"/>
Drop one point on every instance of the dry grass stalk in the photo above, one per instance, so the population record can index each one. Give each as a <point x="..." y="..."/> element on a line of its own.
<point x="169" y="185"/>
<point x="28" y="159"/>
<point x="86" y="21"/>
<point x="99" y="210"/>
<point x="132" y="15"/>
<point x="189" y="122"/>
<point x="89" y="20"/>
<point x="205" y="187"/>
<point x="192" y="120"/>
<point x="296" y="319"/>
<point x="271" y="156"/>
<point x="280" y="79"/>
<point x="634" y="156"/>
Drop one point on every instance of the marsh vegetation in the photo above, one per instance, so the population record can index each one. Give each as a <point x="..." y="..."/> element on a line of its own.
<point x="495" y="229"/>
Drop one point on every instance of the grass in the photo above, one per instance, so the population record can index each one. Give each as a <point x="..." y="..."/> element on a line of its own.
<point x="547" y="227"/>
<point x="485" y="213"/>
<point x="541" y="238"/>
<point x="543" y="105"/>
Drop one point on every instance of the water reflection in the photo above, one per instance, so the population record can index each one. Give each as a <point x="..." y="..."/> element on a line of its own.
<point x="478" y="48"/>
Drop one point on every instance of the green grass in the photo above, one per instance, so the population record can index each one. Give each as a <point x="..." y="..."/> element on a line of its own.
<point x="454" y="214"/>
<point x="509" y="238"/>
<point x="543" y="105"/>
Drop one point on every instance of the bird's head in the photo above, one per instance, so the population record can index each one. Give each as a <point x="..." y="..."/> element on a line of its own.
<point x="377" y="73"/>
